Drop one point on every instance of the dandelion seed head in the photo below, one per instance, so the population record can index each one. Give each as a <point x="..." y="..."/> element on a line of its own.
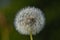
<point x="29" y="18"/>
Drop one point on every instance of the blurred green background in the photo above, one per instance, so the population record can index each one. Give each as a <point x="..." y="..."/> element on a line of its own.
<point x="9" y="8"/>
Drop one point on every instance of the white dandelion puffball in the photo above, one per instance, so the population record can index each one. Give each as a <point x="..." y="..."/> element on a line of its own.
<point x="29" y="19"/>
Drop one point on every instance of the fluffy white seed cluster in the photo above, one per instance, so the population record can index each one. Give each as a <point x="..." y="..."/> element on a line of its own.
<point x="29" y="19"/>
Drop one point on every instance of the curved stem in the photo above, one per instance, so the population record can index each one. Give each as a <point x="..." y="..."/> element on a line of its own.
<point x="31" y="38"/>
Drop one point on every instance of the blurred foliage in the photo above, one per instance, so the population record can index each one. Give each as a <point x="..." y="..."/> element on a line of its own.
<point x="51" y="9"/>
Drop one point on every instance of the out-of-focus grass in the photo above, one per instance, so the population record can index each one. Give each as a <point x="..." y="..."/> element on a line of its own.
<point x="0" y="33"/>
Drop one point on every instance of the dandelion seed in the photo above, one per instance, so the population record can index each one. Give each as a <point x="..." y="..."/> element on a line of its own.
<point x="29" y="19"/>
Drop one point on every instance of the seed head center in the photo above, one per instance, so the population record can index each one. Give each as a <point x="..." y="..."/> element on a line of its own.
<point x="30" y="21"/>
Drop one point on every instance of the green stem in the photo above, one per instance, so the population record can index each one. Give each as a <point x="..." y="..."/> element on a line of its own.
<point x="31" y="38"/>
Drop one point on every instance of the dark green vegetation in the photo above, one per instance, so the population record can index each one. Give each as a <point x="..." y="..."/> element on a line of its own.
<point x="51" y="9"/>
